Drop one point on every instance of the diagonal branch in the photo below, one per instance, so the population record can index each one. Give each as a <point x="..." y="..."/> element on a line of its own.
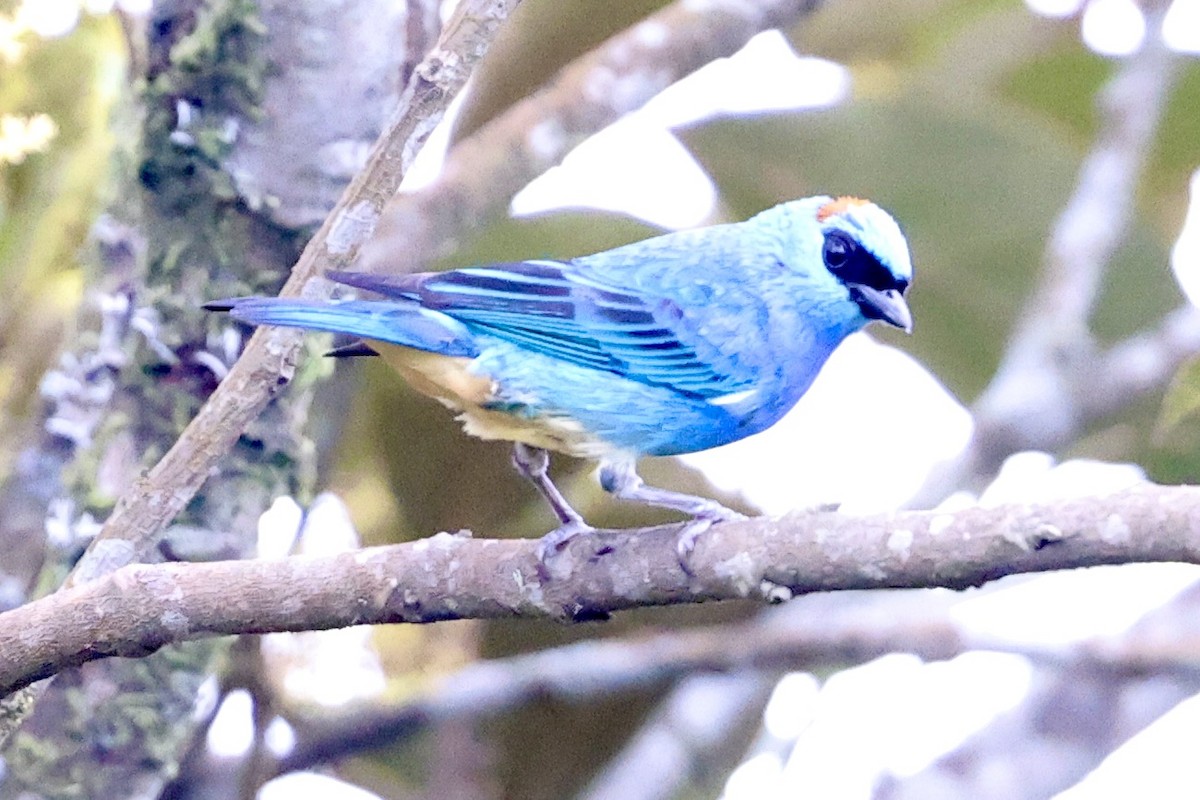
<point x="140" y="608"/>
<point x="483" y="173"/>
<point x="620" y="76"/>
<point x="270" y="357"/>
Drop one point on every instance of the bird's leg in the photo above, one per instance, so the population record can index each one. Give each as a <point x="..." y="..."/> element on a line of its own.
<point x="534" y="464"/>
<point x="620" y="479"/>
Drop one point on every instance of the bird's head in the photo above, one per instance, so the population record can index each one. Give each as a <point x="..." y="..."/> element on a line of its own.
<point x="863" y="249"/>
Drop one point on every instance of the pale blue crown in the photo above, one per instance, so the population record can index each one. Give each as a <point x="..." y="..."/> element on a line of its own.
<point x="875" y="230"/>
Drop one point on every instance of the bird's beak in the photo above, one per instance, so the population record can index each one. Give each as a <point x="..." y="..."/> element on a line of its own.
<point x="887" y="305"/>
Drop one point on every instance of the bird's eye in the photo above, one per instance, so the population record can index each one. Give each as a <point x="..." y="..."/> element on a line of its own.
<point x="850" y="262"/>
<point x="838" y="247"/>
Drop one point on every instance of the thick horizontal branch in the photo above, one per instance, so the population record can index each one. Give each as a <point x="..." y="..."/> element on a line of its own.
<point x="140" y="608"/>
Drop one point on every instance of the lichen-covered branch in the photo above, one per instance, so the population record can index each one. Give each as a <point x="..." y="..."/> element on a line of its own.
<point x="704" y="31"/>
<point x="197" y="226"/>
<point x="192" y="217"/>
<point x="142" y="607"/>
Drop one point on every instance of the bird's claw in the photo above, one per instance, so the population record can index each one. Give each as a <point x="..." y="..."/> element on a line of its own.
<point x="690" y="533"/>
<point x="552" y="543"/>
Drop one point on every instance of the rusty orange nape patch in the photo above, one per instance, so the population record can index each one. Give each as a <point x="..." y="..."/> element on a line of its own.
<point x="838" y="206"/>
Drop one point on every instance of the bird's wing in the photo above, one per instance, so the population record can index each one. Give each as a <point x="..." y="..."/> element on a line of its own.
<point x="549" y="308"/>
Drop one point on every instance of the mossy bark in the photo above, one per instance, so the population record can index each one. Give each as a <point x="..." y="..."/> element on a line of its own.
<point x="216" y="80"/>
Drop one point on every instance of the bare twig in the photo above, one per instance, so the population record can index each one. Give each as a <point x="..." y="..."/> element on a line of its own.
<point x="142" y="607"/>
<point x="572" y="673"/>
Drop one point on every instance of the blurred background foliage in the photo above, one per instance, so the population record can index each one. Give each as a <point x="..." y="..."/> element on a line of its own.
<point x="968" y="119"/>
<point x="49" y="197"/>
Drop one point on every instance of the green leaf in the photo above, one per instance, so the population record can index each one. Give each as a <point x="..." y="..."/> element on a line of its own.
<point x="1181" y="402"/>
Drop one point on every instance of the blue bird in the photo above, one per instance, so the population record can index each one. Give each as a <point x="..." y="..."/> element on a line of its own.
<point x="675" y="344"/>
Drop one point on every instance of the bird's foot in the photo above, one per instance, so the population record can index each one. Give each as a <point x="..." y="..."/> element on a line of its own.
<point x="551" y="544"/>
<point x="685" y="541"/>
<point x="620" y="478"/>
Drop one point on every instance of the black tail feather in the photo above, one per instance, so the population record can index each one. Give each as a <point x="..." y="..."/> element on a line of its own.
<point x="359" y="349"/>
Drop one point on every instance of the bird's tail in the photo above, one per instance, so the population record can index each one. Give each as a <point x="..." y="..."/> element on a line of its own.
<point x="405" y="324"/>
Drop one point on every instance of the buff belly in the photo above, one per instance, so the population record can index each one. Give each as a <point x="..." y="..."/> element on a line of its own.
<point x="480" y="408"/>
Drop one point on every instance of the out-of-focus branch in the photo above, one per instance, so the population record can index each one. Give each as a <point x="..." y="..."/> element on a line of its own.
<point x="814" y="632"/>
<point x="535" y="134"/>
<point x="1053" y="333"/>
<point x="1046" y="390"/>
<point x="139" y="608"/>
<point x="1086" y="700"/>
<point x="1141" y="364"/>
<point x="690" y="738"/>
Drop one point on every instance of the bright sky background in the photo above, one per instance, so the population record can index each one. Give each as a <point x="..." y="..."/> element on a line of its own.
<point x="895" y="714"/>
